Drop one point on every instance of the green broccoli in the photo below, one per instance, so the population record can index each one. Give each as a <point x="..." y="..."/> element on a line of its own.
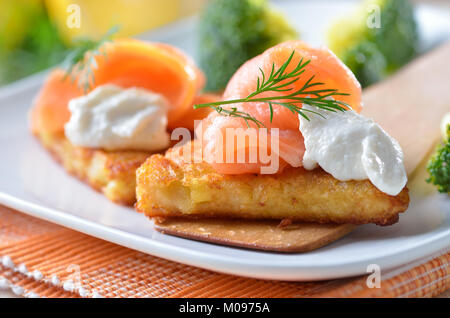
<point x="367" y="63"/>
<point x="232" y="32"/>
<point x="373" y="53"/>
<point x="439" y="165"/>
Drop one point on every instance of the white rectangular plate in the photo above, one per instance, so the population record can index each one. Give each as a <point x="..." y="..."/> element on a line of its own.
<point x="30" y="181"/>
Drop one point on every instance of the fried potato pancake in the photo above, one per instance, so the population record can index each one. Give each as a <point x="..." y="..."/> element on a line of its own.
<point x="112" y="173"/>
<point x="168" y="188"/>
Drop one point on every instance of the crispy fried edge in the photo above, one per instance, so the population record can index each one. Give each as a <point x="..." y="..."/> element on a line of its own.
<point x="120" y="169"/>
<point x="163" y="171"/>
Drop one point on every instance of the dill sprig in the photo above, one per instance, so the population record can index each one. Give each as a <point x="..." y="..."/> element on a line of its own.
<point x="279" y="81"/>
<point x="81" y="62"/>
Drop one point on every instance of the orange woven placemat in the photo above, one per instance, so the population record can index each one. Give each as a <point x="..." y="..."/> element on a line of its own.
<point x="40" y="259"/>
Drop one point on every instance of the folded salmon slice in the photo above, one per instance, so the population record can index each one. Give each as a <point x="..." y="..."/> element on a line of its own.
<point x="324" y="66"/>
<point x="127" y="63"/>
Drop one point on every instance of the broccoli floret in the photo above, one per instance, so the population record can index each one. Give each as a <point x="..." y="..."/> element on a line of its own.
<point x="439" y="166"/>
<point x="398" y="37"/>
<point x="367" y="63"/>
<point x="395" y="41"/>
<point x="232" y="32"/>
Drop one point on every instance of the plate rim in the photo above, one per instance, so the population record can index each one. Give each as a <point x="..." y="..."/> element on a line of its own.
<point x="228" y="265"/>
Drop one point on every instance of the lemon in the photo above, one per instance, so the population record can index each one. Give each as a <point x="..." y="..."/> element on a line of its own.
<point x="97" y="17"/>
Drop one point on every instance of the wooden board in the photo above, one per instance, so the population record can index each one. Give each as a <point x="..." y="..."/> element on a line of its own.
<point x="409" y="106"/>
<point x="261" y="235"/>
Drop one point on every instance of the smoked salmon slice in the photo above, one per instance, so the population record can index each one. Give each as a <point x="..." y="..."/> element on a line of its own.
<point x="324" y="66"/>
<point x="50" y="111"/>
<point x="127" y="63"/>
<point x="188" y="119"/>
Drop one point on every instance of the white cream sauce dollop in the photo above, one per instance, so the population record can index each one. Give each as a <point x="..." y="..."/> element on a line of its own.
<point x="352" y="147"/>
<point x="114" y="118"/>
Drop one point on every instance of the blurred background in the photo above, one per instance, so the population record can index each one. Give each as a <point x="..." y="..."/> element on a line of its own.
<point x="38" y="34"/>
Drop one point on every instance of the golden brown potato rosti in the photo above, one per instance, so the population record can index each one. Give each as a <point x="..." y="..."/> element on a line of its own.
<point x="166" y="188"/>
<point x="112" y="173"/>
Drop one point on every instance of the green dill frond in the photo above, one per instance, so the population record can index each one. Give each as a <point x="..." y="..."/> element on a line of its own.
<point x="279" y="80"/>
<point x="81" y="61"/>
